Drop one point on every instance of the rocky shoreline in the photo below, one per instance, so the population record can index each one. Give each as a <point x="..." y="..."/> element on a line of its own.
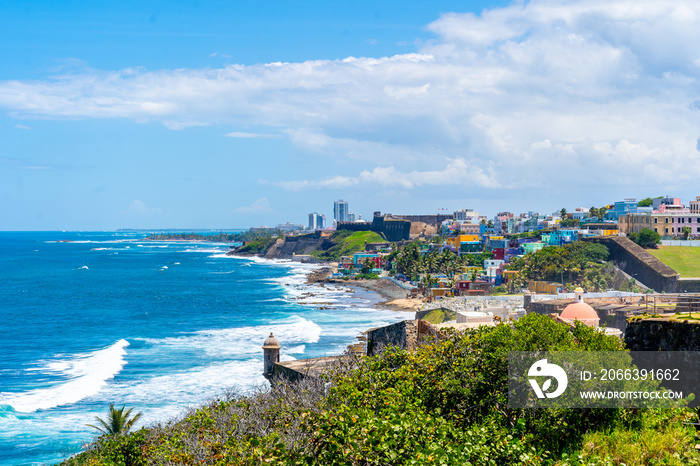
<point x="395" y="297"/>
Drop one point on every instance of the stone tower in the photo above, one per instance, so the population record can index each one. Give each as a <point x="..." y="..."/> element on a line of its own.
<point x="271" y="355"/>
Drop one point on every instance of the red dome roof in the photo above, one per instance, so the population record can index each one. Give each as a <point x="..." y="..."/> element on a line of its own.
<point x="580" y="311"/>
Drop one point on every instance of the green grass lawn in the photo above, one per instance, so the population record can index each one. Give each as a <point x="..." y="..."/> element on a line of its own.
<point x="347" y="243"/>
<point x="683" y="259"/>
<point x="356" y="241"/>
<point x="438" y="316"/>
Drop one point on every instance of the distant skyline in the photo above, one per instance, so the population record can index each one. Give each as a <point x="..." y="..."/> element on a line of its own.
<point x="227" y="114"/>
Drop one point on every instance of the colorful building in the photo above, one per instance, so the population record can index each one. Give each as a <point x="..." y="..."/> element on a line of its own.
<point x="668" y="220"/>
<point x="457" y="241"/>
<point x="536" y="286"/>
<point x="559" y="237"/>
<point x="359" y="258"/>
<point x="621" y="208"/>
<point x="532" y="247"/>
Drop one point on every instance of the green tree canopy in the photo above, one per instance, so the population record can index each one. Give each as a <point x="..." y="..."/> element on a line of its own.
<point x="573" y="262"/>
<point x="646" y="238"/>
<point x="647" y="202"/>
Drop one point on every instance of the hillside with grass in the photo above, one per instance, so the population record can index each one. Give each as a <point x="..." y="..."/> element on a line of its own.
<point x="443" y="404"/>
<point x="683" y="259"/>
<point x="346" y="243"/>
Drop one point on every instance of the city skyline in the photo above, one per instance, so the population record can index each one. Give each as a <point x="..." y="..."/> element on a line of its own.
<point x="227" y="115"/>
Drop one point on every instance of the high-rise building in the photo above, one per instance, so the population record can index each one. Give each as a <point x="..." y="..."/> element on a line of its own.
<point x="351" y="217"/>
<point x="317" y="221"/>
<point x="340" y="211"/>
<point x="313" y="221"/>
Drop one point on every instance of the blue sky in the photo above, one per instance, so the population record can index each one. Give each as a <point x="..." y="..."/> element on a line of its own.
<point x="234" y="114"/>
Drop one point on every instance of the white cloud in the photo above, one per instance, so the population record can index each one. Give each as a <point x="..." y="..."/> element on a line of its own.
<point x="140" y="209"/>
<point x="238" y="134"/>
<point x="19" y="126"/>
<point x="180" y="125"/>
<point x="457" y="171"/>
<point x="526" y="95"/>
<point x="259" y="206"/>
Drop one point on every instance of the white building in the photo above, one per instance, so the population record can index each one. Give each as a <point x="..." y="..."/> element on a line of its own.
<point x="340" y="211"/>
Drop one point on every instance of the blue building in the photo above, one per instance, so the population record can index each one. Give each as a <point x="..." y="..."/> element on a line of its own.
<point x="484" y="229"/>
<point x="628" y="206"/>
<point x="560" y="237"/>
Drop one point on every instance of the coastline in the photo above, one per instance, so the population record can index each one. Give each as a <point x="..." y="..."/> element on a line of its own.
<point x="394" y="297"/>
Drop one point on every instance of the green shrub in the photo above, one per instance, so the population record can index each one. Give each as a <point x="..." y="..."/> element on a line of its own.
<point x="445" y="403"/>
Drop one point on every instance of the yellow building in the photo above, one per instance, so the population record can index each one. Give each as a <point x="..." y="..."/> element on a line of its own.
<point x="438" y="292"/>
<point x="662" y="224"/>
<point x="544" y="287"/>
<point x="459" y="239"/>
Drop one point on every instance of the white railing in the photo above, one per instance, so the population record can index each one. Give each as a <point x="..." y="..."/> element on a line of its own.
<point x="607" y="294"/>
<point x="680" y="242"/>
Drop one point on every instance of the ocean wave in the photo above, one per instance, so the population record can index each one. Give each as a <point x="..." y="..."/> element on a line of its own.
<point x="299" y="349"/>
<point x="112" y="241"/>
<point x="88" y="374"/>
<point x="239" y="341"/>
<point x="175" y="391"/>
<point x="205" y="250"/>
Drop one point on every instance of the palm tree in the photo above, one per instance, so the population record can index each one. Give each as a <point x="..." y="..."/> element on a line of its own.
<point x="118" y="421"/>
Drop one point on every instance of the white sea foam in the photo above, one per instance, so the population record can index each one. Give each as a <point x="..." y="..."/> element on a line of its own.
<point x="205" y="250"/>
<point x="296" y="349"/>
<point x="113" y="241"/>
<point x="240" y="341"/>
<point x="88" y="374"/>
<point x="175" y="391"/>
<point x="84" y="267"/>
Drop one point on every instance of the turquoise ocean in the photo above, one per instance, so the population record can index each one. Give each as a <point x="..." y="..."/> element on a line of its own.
<point x="93" y="318"/>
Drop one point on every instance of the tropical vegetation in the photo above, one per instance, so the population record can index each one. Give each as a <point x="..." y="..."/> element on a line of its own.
<point x="119" y="421"/>
<point x="578" y="263"/>
<point x="258" y="245"/>
<point x="412" y="261"/>
<point x="646" y="238"/>
<point x="443" y="404"/>
<point x="239" y="237"/>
